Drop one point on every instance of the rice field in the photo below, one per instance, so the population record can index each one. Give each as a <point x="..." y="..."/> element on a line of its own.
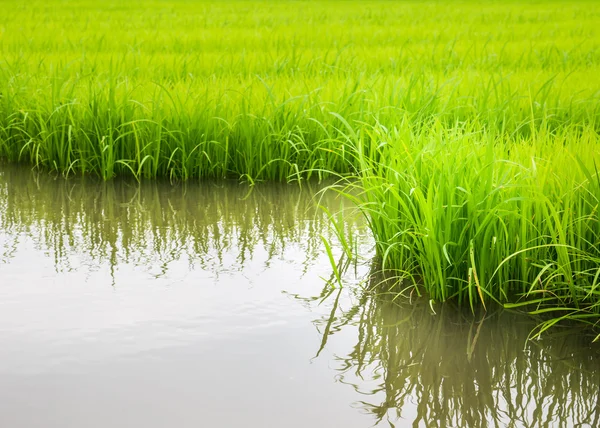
<point x="467" y="132"/>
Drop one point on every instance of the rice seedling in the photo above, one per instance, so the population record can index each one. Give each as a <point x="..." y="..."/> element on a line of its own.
<point x="475" y="216"/>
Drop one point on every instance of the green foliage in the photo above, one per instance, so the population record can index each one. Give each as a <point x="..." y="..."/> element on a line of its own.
<point x="246" y="88"/>
<point x="475" y="216"/>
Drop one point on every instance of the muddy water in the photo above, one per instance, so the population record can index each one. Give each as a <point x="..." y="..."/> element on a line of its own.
<point x="208" y="305"/>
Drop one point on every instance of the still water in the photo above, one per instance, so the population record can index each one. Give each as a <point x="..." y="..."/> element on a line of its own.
<point x="213" y="305"/>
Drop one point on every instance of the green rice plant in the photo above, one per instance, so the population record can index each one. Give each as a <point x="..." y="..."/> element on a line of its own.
<point x="478" y="217"/>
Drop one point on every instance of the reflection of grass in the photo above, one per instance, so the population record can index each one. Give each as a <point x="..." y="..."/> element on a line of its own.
<point x="153" y="223"/>
<point x="450" y="370"/>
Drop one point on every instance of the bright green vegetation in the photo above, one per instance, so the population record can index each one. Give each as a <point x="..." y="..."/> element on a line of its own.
<point x="474" y="215"/>
<point x="195" y="89"/>
<point x="472" y="128"/>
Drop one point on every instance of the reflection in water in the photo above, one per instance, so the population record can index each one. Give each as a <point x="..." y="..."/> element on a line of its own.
<point x="195" y="323"/>
<point x="215" y="227"/>
<point x="450" y="369"/>
<point x="407" y="365"/>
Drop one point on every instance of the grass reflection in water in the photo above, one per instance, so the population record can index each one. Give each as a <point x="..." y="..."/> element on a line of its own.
<point x="451" y="369"/>
<point x="215" y="226"/>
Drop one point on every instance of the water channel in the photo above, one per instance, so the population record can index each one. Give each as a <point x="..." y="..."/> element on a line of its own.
<point x="213" y="305"/>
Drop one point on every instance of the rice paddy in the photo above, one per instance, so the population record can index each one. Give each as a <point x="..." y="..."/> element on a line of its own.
<point x="466" y="132"/>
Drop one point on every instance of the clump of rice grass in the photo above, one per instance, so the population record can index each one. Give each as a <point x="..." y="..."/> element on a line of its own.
<point x="474" y="216"/>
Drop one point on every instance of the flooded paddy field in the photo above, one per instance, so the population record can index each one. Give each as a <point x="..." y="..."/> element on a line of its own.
<point x="464" y="140"/>
<point x="126" y="304"/>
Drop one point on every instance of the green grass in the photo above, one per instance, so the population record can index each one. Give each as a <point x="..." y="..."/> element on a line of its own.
<point x="247" y="88"/>
<point x="473" y="215"/>
<point x="471" y="127"/>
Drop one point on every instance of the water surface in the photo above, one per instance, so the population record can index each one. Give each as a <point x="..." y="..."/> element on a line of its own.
<point x="212" y="305"/>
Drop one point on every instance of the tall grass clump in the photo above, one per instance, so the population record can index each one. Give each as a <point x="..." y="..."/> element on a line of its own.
<point x="472" y="215"/>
